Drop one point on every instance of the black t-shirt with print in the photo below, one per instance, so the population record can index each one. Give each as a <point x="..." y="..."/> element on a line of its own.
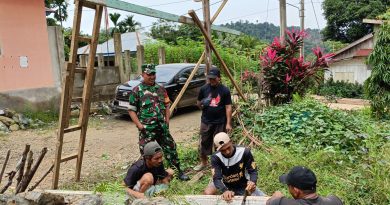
<point x="218" y="98"/>
<point x="330" y="200"/>
<point x="139" y="168"/>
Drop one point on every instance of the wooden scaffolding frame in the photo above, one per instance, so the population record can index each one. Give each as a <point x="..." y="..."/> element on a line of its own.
<point x="89" y="73"/>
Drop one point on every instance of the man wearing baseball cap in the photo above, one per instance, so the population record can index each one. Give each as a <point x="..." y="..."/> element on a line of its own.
<point x="147" y="173"/>
<point x="149" y="110"/>
<point x="214" y="99"/>
<point x="234" y="170"/>
<point x="302" y="185"/>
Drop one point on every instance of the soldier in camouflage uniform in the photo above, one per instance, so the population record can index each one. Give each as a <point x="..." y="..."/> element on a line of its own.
<point x="149" y="110"/>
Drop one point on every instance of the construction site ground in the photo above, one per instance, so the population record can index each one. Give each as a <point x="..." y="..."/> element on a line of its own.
<point x="111" y="145"/>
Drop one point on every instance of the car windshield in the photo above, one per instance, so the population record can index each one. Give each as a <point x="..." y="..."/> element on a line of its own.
<point x="163" y="75"/>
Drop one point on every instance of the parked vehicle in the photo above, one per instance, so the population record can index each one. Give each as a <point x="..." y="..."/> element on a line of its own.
<point x="173" y="78"/>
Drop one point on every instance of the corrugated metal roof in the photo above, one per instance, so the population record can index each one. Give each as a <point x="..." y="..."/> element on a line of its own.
<point x="129" y="42"/>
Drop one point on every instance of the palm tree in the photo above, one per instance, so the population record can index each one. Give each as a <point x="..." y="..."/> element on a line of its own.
<point x="128" y="24"/>
<point x="114" y="18"/>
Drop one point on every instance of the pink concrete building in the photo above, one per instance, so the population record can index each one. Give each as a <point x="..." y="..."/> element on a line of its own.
<point x="26" y="69"/>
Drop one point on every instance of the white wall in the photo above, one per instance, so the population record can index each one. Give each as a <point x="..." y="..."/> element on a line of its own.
<point x="344" y="68"/>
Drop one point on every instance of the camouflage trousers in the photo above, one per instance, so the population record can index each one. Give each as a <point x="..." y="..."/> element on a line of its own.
<point x="159" y="132"/>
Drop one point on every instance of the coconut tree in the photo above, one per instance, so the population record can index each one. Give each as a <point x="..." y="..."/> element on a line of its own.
<point x="128" y="24"/>
<point x="114" y="17"/>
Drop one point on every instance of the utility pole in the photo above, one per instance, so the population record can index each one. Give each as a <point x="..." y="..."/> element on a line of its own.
<point x="207" y="26"/>
<point x="302" y="16"/>
<point x="283" y="20"/>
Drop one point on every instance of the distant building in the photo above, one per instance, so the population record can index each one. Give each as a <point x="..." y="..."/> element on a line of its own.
<point x="349" y="63"/>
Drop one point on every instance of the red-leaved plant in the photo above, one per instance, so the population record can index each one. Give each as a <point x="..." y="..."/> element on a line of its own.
<point x="284" y="72"/>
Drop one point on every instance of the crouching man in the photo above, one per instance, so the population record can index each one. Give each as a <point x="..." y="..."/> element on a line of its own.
<point x="147" y="176"/>
<point x="234" y="170"/>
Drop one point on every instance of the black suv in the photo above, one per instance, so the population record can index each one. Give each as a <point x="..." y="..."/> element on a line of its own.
<point x="173" y="78"/>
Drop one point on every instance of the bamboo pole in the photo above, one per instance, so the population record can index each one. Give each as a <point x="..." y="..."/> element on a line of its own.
<point x="225" y="68"/>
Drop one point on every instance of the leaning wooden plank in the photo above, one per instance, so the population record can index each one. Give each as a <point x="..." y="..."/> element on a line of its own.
<point x="5" y="164"/>
<point x="11" y="176"/>
<point x="224" y="67"/>
<point x="133" y="8"/>
<point x="23" y="162"/>
<point x="23" y="185"/>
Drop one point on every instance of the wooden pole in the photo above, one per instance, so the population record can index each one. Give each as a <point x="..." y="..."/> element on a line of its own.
<point x="161" y="55"/>
<point x="42" y="178"/>
<point x="5" y="164"/>
<point x="207" y="28"/>
<point x="224" y="67"/>
<point x="100" y="59"/>
<point x="26" y="180"/>
<point x="22" y="163"/>
<point x="11" y="176"/>
<point x="118" y="56"/>
<point x="140" y="58"/>
<point x="127" y="57"/>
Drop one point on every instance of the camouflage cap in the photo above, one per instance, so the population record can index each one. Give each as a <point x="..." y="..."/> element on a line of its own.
<point x="149" y="68"/>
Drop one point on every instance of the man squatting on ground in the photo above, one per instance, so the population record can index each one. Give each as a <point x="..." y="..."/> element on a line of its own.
<point x="149" y="110"/>
<point x="146" y="174"/>
<point x="215" y="101"/>
<point x="302" y="185"/>
<point x="233" y="170"/>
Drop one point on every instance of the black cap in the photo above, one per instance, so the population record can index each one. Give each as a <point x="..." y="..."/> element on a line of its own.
<point x="213" y="73"/>
<point x="300" y="177"/>
<point x="151" y="148"/>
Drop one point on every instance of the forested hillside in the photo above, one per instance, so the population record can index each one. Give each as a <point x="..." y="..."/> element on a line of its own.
<point x="267" y="32"/>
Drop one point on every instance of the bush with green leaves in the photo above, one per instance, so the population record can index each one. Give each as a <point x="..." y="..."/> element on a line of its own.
<point x="340" y="89"/>
<point x="309" y="126"/>
<point x="377" y="86"/>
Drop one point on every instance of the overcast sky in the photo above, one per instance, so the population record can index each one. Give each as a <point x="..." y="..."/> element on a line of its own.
<point x="235" y="10"/>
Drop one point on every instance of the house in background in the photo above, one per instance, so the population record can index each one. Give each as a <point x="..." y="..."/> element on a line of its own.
<point x="29" y="61"/>
<point x="349" y="63"/>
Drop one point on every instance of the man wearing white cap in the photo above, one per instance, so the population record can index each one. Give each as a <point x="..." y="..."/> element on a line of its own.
<point x="233" y="169"/>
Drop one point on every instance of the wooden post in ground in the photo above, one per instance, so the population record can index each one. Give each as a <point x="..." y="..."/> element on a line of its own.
<point x="118" y="56"/>
<point x="127" y="66"/>
<point x="100" y="60"/>
<point x="140" y="58"/>
<point x="224" y="67"/>
<point x="161" y="55"/>
<point x="5" y="164"/>
<point x="283" y="20"/>
<point x="83" y="60"/>
<point x="207" y="27"/>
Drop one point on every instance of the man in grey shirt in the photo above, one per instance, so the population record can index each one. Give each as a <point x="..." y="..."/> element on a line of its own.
<point x="302" y="185"/>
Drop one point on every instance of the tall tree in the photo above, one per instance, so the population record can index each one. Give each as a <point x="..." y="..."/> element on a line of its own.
<point x="128" y="24"/>
<point x="345" y="18"/>
<point x="61" y="13"/>
<point x="114" y="17"/>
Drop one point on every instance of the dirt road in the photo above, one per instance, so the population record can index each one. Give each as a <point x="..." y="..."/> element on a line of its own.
<point x="111" y="143"/>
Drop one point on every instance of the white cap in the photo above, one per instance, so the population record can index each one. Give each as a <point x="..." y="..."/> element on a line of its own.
<point x="221" y="139"/>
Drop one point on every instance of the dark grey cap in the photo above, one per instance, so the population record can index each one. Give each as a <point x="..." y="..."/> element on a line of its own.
<point x="300" y="177"/>
<point x="151" y="148"/>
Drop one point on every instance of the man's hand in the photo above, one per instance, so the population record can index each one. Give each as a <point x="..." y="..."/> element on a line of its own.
<point x="228" y="128"/>
<point x="277" y="194"/>
<point x="228" y="195"/>
<point x="141" y="127"/>
<point x="250" y="187"/>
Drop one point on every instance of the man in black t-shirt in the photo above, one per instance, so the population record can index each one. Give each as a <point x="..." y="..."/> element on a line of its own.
<point x="215" y="101"/>
<point x="302" y="185"/>
<point x="234" y="170"/>
<point x="145" y="173"/>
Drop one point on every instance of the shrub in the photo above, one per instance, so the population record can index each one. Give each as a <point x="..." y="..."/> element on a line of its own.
<point x="284" y="73"/>
<point x="340" y="89"/>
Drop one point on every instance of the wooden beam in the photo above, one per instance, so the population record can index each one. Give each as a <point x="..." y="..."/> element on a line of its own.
<point x="140" y="58"/>
<point x="373" y="21"/>
<point x="118" y="56"/>
<point x="224" y="67"/>
<point x="133" y="8"/>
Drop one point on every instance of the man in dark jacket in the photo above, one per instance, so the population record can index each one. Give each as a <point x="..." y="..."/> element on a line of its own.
<point x="234" y="170"/>
<point x="214" y="100"/>
<point x="302" y="185"/>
